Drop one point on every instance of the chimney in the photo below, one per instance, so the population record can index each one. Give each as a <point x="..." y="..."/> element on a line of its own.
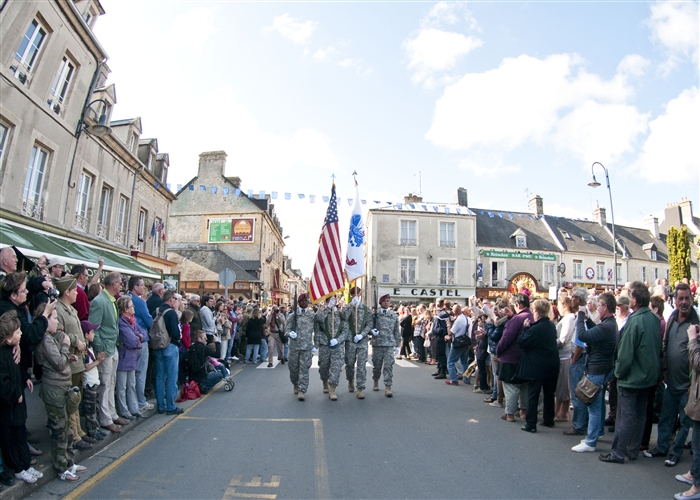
<point x="599" y="215"/>
<point x="536" y="206"/>
<point x="212" y="165"/>
<point x="412" y="198"/>
<point x="686" y="207"/>
<point x="461" y="197"/>
<point x="652" y="224"/>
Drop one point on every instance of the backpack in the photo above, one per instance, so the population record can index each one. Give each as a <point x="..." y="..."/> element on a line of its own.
<point x="159" y="338"/>
<point x="439" y="327"/>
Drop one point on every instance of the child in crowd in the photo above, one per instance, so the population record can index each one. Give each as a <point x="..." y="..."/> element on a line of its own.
<point x="91" y="381"/>
<point x="13" y="407"/>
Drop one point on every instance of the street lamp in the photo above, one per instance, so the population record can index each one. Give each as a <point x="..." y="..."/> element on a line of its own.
<point x="594" y="184"/>
<point x="101" y="128"/>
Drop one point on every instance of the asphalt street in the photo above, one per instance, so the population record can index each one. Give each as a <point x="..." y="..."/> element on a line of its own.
<point x="430" y="440"/>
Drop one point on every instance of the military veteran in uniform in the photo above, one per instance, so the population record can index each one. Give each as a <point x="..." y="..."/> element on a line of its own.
<point x="300" y="331"/>
<point x="331" y="333"/>
<point x="359" y="321"/>
<point x="385" y="341"/>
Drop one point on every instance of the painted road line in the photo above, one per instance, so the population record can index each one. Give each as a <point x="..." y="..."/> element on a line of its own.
<point x="237" y="482"/>
<point x="263" y="365"/>
<point x="95" y="480"/>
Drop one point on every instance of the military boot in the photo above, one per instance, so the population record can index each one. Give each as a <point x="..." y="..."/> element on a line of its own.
<point x="325" y="386"/>
<point x="387" y="391"/>
<point x="296" y="390"/>
<point x="300" y="396"/>
<point x="331" y="393"/>
<point x="375" y="387"/>
<point x="360" y="394"/>
<point x="351" y="386"/>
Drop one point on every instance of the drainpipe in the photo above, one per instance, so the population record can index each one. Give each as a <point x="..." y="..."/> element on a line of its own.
<point x="131" y="207"/>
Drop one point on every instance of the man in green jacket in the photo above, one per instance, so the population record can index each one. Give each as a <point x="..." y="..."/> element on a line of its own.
<point x="637" y="368"/>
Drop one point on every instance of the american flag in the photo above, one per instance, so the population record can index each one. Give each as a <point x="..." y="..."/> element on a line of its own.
<point x="327" y="277"/>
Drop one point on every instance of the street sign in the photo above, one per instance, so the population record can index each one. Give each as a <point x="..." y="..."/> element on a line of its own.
<point x="227" y="277"/>
<point x="265" y="295"/>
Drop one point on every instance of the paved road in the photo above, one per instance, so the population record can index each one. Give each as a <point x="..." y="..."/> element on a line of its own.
<point x="429" y="441"/>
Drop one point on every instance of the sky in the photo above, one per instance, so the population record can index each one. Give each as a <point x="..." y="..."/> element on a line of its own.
<point x="505" y="99"/>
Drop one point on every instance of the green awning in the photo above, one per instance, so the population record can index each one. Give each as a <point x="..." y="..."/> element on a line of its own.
<point x="35" y="243"/>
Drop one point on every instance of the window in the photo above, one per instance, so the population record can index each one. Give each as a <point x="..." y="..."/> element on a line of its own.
<point x="32" y="203"/>
<point x="122" y="209"/>
<point x="59" y="89"/>
<point x="103" y="215"/>
<point x="565" y="234"/>
<point x="447" y="272"/>
<point x="158" y="226"/>
<point x="81" y="205"/>
<point x="600" y="270"/>
<point x="549" y="273"/>
<point x="587" y="237"/>
<point x="447" y="234"/>
<point x="619" y="274"/>
<point x="656" y="274"/>
<point x="667" y="273"/>
<point x="31" y="45"/>
<point x="498" y="273"/>
<point x="4" y="134"/>
<point x="578" y="270"/>
<point x="644" y="274"/>
<point x="407" y="272"/>
<point x="142" y="228"/>
<point x="520" y="242"/>
<point x="133" y="143"/>
<point x="408" y="232"/>
<point x="653" y="255"/>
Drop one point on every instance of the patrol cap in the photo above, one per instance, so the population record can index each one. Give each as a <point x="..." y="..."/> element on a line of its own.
<point x="623" y="300"/>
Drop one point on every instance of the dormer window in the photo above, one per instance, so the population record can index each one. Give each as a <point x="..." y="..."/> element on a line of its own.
<point x="653" y="255"/>
<point x="520" y="238"/>
<point x="650" y="250"/>
<point x="587" y="237"/>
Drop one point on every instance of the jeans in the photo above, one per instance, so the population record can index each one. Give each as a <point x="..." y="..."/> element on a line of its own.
<point x="212" y="379"/>
<point x="516" y="394"/>
<point x="580" y="419"/>
<point x="596" y="411"/>
<point x="263" y="350"/>
<point x="254" y="348"/>
<point x="141" y="370"/>
<point x="419" y="348"/>
<point x="674" y="405"/>
<point x="225" y="347"/>
<point x="695" y="468"/>
<point x="127" y="403"/>
<point x="494" y="394"/>
<point x="166" y="377"/>
<point x="230" y="348"/>
<point x="461" y="355"/>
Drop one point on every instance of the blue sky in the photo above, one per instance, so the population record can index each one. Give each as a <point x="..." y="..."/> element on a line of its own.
<point x="504" y="99"/>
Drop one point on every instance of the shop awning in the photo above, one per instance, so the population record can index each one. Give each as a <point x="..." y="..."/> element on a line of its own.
<point x="35" y="243"/>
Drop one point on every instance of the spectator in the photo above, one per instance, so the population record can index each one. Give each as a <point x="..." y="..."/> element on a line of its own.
<point x="186" y="339"/>
<point x="69" y="323"/>
<point x="692" y="409"/>
<point x="207" y="315"/>
<point x="254" y="334"/>
<point x="91" y="382"/>
<point x="197" y="356"/>
<point x="194" y="306"/>
<point x="601" y="341"/>
<point x="8" y="261"/>
<point x="56" y="266"/>
<point x="443" y="316"/>
<point x="482" y="353"/>
<point x="103" y="312"/>
<point x="137" y="289"/>
<point x="93" y="291"/>
<point x="167" y="358"/>
<point x="460" y="327"/>
<point x="13" y="406"/>
<point x="155" y="300"/>
<point x="234" y="316"/>
<point x="81" y="304"/>
<point x="494" y="329"/>
<point x="565" y="335"/>
<point x="131" y="335"/>
<point x="39" y="289"/>
<point x="406" y="327"/>
<point x="637" y="368"/>
<point x="52" y="353"/>
<point x="675" y="368"/>
<point x="579" y="422"/>
<point x="419" y="333"/>
<point x="509" y="353"/>
<point x="275" y="323"/>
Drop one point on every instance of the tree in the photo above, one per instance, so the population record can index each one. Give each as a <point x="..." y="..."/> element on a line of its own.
<point x="678" y="243"/>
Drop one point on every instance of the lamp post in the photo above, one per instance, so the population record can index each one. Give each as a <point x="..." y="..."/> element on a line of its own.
<point x="594" y="184"/>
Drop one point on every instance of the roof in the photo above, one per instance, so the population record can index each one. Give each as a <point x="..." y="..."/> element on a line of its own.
<point x="494" y="228"/>
<point x="421" y="207"/>
<point x="581" y="236"/>
<point x="205" y="264"/>
<point x="636" y="239"/>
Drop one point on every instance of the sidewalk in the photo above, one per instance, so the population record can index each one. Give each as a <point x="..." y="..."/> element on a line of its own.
<point x="36" y="425"/>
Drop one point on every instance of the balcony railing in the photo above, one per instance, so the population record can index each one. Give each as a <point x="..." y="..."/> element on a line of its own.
<point x="81" y="223"/>
<point x="102" y="231"/>
<point x="408" y="242"/>
<point x="447" y="243"/>
<point x="33" y="209"/>
<point x="119" y="237"/>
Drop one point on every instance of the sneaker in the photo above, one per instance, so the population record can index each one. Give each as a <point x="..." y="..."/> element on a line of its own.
<point x="146" y="407"/>
<point x="582" y="447"/>
<point x="26" y="477"/>
<point x="68" y="476"/>
<point x="496" y="404"/>
<point x="480" y="391"/>
<point x="449" y="382"/>
<point x="655" y="453"/>
<point x="671" y="461"/>
<point x="98" y="436"/>
<point x="35" y="473"/>
<point x="176" y="411"/>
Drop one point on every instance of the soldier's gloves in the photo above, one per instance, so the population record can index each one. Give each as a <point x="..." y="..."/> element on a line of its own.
<point x="331" y="302"/>
<point x="357" y="338"/>
<point x="314" y="350"/>
<point x="355" y="301"/>
<point x="396" y="351"/>
<point x="333" y="342"/>
<point x="292" y="335"/>
<point x="375" y="332"/>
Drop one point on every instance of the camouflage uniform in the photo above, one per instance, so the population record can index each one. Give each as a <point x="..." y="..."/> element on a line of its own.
<point x="330" y="359"/>
<point x="61" y="437"/>
<point x="383" y="345"/>
<point x="357" y="352"/>
<point x="300" y="356"/>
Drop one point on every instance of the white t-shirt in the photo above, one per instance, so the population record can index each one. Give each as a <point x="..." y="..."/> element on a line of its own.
<point x="91" y="377"/>
<point x="459" y="327"/>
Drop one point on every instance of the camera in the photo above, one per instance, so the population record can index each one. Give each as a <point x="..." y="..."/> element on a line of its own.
<point x="52" y="293"/>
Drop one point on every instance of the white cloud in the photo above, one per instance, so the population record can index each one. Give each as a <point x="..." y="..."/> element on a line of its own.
<point x="293" y="28"/>
<point x="434" y="51"/>
<point x="324" y="55"/>
<point x="191" y="31"/>
<point x="487" y="165"/>
<point x="674" y="25"/>
<point x="671" y="152"/>
<point x="551" y="101"/>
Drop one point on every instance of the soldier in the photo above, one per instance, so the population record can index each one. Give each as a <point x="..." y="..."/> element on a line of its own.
<point x="359" y="320"/>
<point x="385" y="341"/>
<point x="300" y="330"/>
<point x="331" y="333"/>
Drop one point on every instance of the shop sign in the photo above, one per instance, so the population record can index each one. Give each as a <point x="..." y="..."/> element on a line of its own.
<point x="236" y="230"/>
<point x="506" y="254"/>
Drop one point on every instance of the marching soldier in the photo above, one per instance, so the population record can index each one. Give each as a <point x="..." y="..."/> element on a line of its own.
<point x="331" y="333"/>
<point x="359" y="320"/>
<point x="300" y="330"/>
<point x="385" y="342"/>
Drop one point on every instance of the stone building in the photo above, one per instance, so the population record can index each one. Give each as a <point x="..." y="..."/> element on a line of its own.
<point x="72" y="187"/>
<point x="213" y="225"/>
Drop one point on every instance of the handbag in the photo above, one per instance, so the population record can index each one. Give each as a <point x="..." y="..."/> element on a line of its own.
<point x="461" y="342"/>
<point x="586" y="390"/>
